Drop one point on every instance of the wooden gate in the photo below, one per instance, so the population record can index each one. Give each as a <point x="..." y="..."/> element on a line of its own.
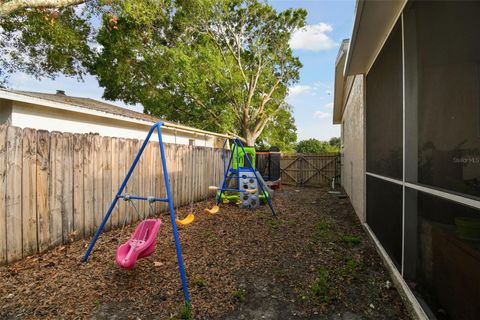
<point x="310" y="169"/>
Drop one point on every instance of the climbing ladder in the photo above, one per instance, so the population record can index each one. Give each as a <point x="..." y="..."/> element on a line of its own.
<point x="168" y="199"/>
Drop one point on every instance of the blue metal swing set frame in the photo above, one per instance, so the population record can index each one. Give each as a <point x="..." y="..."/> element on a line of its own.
<point x="168" y="199"/>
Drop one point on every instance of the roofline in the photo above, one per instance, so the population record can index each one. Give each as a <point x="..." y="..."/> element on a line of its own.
<point x="339" y="83"/>
<point x="374" y="21"/>
<point x="8" y="95"/>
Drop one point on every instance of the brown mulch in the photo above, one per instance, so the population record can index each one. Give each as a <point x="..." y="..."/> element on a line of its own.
<point x="313" y="261"/>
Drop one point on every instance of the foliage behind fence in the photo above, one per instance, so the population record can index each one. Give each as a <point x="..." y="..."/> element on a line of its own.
<point x="56" y="187"/>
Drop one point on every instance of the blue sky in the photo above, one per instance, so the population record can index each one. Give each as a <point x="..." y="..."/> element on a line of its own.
<point x="328" y="23"/>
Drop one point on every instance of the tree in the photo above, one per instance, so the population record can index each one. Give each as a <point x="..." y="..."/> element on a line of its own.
<point x="281" y="133"/>
<point x="335" y="142"/>
<point x="218" y="65"/>
<point x="315" y="146"/>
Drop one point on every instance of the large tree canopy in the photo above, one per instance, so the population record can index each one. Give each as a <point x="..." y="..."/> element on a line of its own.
<point x="219" y="65"/>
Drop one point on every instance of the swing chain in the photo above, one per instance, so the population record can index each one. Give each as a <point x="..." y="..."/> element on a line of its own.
<point x="193" y="171"/>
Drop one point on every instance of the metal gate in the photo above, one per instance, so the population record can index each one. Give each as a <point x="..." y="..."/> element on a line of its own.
<point x="310" y="169"/>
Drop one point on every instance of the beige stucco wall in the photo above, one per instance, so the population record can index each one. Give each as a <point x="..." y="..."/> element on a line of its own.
<point x="25" y="115"/>
<point x="353" y="141"/>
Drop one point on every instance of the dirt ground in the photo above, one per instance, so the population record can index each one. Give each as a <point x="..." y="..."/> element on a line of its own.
<point x="313" y="262"/>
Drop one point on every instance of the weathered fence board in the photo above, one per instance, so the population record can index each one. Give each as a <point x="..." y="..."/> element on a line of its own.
<point x="3" y="196"/>
<point x="98" y="203"/>
<point x="43" y="195"/>
<point x="309" y="169"/>
<point x="107" y="194"/>
<point x="67" y="187"/>
<point x="29" y="192"/>
<point x="78" y="186"/>
<point x="122" y="172"/>
<point x="14" y="193"/>
<point x="89" y="185"/>
<point x="56" y="187"/>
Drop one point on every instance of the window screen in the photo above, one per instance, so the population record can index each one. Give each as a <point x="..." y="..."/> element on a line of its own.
<point x="384" y="112"/>
<point x="384" y="215"/>
<point x="443" y="62"/>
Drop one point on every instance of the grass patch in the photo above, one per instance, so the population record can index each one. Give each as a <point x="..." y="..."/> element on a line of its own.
<point x="273" y="223"/>
<point x="200" y="282"/>
<point x="292" y="222"/>
<point x="322" y="288"/>
<point x="185" y="313"/>
<point x="239" y="295"/>
<point x="351" y="240"/>
<point x="350" y="270"/>
<point x="325" y="229"/>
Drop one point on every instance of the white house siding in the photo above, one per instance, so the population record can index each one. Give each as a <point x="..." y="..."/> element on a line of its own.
<point x="5" y="111"/>
<point x="353" y="140"/>
<point x="34" y="116"/>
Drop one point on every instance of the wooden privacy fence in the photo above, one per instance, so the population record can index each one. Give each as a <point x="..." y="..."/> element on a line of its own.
<point x="310" y="169"/>
<point x="56" y="187"/>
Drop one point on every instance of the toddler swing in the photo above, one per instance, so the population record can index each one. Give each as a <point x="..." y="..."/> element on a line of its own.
<point x="142" y="243"/>
<point x="215" y="208"/>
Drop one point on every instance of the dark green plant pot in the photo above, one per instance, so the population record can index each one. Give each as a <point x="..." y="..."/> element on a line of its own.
<point x="468" y="228"/>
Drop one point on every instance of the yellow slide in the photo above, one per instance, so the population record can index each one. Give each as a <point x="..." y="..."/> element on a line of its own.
<point x="214" y="210"/>
<point x="187" y="220"/>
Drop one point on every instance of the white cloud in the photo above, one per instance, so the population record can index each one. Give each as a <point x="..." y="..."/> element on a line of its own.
<point x="313" y="37"/>
<point x="298" y="90"/>
<point x="321" y="114"/>
<point x="328" y="105"/>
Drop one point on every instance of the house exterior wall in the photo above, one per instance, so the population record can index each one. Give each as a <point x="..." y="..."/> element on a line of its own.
<point x="421" y="152"/>
<point x="25" y="115"/>
<point x="5" y="111"/>
<point x="353" y="140"/>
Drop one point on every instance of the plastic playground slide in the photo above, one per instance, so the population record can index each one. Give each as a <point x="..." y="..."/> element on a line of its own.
<point x="141" y="244"/>
<point x="264" y="185"/>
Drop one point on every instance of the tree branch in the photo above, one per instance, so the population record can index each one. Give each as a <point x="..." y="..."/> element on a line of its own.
<point x="267" y="98"/>
<point x="6" y="8"/>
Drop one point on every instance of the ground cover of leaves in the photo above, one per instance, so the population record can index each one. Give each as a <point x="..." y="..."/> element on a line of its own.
<point x="313" y="262"/>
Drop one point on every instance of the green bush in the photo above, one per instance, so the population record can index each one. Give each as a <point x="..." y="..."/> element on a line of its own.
<point x="317" y="146"/>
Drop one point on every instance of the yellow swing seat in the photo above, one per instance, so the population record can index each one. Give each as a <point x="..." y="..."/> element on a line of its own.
<point x="187" y="220"/>
<point x="214" y="210"/>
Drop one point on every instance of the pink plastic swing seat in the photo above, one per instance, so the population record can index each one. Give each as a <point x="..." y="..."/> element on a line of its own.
<point x="141" y="244"/>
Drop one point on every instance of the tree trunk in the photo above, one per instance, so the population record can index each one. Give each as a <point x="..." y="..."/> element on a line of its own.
<point x="250" y="137"/>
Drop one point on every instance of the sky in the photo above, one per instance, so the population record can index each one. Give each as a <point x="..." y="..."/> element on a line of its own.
<point x="328" y="23"/>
